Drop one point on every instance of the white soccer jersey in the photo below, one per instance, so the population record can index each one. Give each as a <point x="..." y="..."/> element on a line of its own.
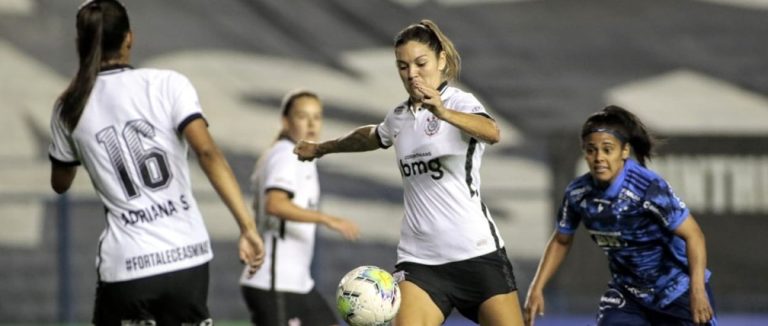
<point x="288" y="245"/>
<point x="445" y="219"/>
<point x="129" y="140"/>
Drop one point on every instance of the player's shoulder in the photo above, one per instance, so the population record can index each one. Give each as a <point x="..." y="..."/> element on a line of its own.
<point x="160" y="75"/>
<point x="281" y="151"/>
<point x="578" y="188"/>
<point x="400" y="108"/>
<point x="641" y="178"/>
<point x="461" y="100"/>
<point x="456" y="94"/>
<point x="284" y="144"/>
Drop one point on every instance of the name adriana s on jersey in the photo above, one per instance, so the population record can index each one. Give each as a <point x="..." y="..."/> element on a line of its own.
<point x="155" y="211"/>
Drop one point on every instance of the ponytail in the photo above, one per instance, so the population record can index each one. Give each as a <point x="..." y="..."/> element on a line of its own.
<point x="626" y="127"/>
<point x="101" y="29"/>
<point x="428" y="33"/>
<point x="89" y="36"/>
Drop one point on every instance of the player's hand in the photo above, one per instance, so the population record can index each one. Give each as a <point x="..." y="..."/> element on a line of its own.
<point x="307" y="150"/>
<point x="534" y="306"/>
<point x="430" y="98"/>
<point x="701" y="310"/>
<point x="251" y="251"/>
<point x="346" y="228"/>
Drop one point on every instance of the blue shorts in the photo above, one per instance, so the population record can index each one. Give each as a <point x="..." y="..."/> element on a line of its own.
<point x="618" y="307"/>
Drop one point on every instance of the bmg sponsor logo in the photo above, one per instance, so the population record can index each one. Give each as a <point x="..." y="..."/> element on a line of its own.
<point x="431" y="167"/>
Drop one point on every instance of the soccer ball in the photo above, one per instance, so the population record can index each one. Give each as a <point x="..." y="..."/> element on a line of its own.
<point x="368" y="296"/>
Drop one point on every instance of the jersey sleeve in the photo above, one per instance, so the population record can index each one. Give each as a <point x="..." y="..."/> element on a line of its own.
<point x="61" y="150"/>
<point x="388" y="129"/>
<point x="661" y="202"/>
<point x="568" y="219"/>
<point x="470" y="104"/>
<point x="281" y="173"/>
<point x="185" y="105"/>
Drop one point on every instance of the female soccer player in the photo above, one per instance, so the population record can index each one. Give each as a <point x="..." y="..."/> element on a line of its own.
<point x="450" y="252"/>
<point x="655" y="248"/>
<point x="286" y="203"/>
<point x="130" y="129"/>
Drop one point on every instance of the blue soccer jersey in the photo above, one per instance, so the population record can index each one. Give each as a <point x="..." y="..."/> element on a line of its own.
<point x="633" y="221"/>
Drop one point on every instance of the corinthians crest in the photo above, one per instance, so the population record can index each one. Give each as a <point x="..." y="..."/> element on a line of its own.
<point x="433" y="125"/>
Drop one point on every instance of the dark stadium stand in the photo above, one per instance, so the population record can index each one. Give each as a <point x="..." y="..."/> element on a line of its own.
<point x="542" y="66"/>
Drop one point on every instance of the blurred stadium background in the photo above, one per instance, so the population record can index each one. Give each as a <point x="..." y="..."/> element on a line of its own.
<point x="695" y="71"/>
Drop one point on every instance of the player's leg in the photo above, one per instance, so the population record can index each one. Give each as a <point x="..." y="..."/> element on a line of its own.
<point x="423" y="293"/>
<point x="417" y="307"/>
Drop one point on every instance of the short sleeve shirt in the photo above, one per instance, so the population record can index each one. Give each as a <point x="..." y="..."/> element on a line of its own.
<point x="289" y="245"/>
<point x="445" y="218"/>
<point x="633" y="221"/>
<point x="129" y="140"/>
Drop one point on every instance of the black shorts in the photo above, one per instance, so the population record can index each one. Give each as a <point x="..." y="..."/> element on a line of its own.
<point x="465" y="284"/>
<point x="174" y="298"/>
<point x="276" y="308"/>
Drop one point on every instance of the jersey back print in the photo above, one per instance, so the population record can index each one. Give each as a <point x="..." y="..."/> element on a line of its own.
<point x="129" y="140"/>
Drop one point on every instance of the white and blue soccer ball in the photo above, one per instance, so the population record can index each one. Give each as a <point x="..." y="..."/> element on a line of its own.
<point x="368" y="296"/>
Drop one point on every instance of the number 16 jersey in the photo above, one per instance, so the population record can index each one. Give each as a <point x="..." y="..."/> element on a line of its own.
<point x="129" y="139"/>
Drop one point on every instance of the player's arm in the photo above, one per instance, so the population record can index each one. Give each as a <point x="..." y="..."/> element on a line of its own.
<point x="279" y="203"/>
<point x="223" y="180"/>
<point x="62" y="177"/>
<point x="696" y="250"/>
<point x="557" y="249"/>
<point x="362" y="139"/>
<point x="476" y="125"/>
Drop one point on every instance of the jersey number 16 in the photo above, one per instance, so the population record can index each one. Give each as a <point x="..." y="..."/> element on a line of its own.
<point x="151" y="164"/>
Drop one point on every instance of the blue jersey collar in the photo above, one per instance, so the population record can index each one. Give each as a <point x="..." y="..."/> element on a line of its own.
<point x="613" y="190"/>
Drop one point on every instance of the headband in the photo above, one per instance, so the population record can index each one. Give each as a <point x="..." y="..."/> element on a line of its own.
<point x="615" y="133"/>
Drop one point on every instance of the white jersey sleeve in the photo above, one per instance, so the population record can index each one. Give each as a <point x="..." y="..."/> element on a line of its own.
<point x="467" y="103"/>
<point x="387" y="131"/>
<point x="281" y="172"/>
<point x="186" y="104"/>
<point x="61" y="149"/>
